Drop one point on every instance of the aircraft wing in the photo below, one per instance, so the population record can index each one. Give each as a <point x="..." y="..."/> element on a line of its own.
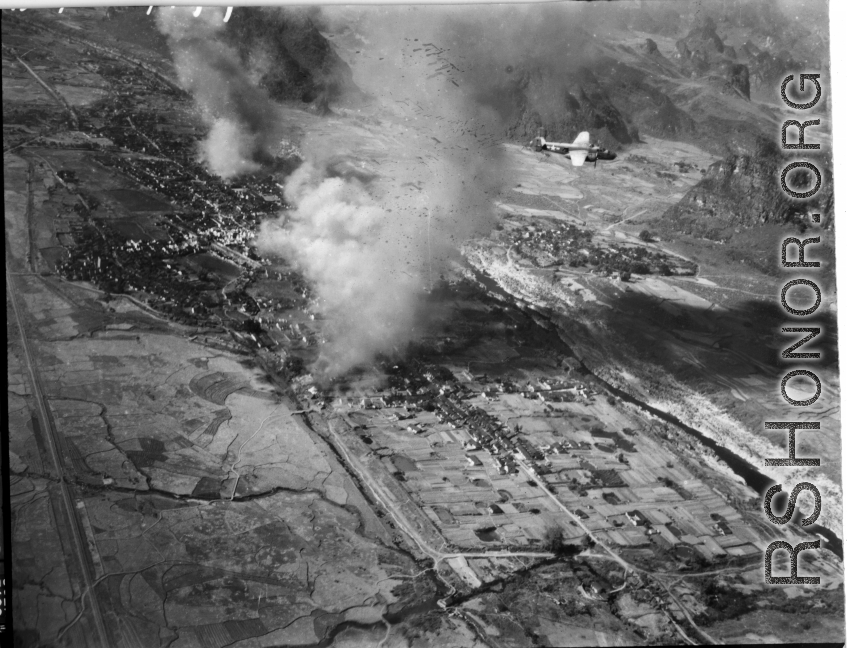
<point x="578" y="157"/>
<point x="583" y="139"/>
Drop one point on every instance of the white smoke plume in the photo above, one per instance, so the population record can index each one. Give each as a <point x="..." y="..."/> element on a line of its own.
<point x="445" y="85"/>
<point x="228" y="149"/>
<point x="243" y="121"/>
<point x="371" y="247"/>
<point x="344" y="244"/>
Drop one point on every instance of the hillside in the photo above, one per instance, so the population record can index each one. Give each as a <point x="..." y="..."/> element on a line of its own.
<point x="742" y="192"/>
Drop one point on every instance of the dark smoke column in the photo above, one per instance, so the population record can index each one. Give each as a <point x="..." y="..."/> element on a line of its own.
<point x="241" y="116"/>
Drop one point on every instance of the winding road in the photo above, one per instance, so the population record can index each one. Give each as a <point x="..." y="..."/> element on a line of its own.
<point x="385" y="499"/>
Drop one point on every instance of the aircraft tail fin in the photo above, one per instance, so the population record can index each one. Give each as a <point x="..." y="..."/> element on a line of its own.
<point x="583" y="139"/>
<point x="539" y="143"/>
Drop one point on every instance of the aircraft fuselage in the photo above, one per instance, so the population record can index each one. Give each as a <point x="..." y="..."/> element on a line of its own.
<point x="586" y="151"/>
<point x="594" y="151"/>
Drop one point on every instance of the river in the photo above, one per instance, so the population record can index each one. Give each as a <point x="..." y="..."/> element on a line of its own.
<point x="755" y="479"/>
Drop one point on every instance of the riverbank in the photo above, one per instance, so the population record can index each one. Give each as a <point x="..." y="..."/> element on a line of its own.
<point x="735" y="464"/>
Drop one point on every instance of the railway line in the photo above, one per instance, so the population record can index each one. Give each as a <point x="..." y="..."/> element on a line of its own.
<point x="53" y="442"/>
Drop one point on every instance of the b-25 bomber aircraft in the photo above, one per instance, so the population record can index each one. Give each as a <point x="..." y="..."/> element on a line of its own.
<point x="578" y="151"/>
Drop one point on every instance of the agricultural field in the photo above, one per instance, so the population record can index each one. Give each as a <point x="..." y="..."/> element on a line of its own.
<point x="682" y="343"/>
<point x="410" y="384"/>
<point x="179" y="460"/>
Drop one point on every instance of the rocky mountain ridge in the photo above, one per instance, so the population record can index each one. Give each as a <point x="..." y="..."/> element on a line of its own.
<point x="678" y="77"/>
<point x="744" y="190"/>
<point x="293" y="61"/>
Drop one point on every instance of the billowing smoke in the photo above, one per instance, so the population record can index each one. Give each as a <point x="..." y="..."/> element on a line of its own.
<point x="376" y="221"/>
<point x="370" y="246"/>
<point x="378" y="215"/>
<point x="443" y="85"/>
<point x="243" y="121"/>
<point x="345" y="244"/>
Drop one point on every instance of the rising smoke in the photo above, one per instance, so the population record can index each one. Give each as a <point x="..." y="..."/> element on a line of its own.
<point x="444" y="86"/>
<point x="345" y="244"/>
<point x="370" y="247"/>
<point x="447" y="84"/>
<point x="243" y="121"/>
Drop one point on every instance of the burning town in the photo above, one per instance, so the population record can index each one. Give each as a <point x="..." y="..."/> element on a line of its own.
<point x="418" y="326"/>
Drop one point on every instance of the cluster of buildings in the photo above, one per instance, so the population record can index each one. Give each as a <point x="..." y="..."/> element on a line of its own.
<point x="667" y="535"/>
<point x="415" y="387"/>
<point x="217" y="219"/>
<point x="196" y="190"/>
<point x="120" y="125"/>
<point x="168" y="162"/>
<point x="557" y="391"/>
<point x="299" y="334"/>
<point x="623" y="505"/>
<point x="154" y="271"/>
<point x="566" y="244"/>
<point x="212" y="228"/>
<point x="128" y="79"/>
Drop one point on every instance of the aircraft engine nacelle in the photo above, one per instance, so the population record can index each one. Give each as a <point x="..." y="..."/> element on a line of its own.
<point x="600" y="154"/>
